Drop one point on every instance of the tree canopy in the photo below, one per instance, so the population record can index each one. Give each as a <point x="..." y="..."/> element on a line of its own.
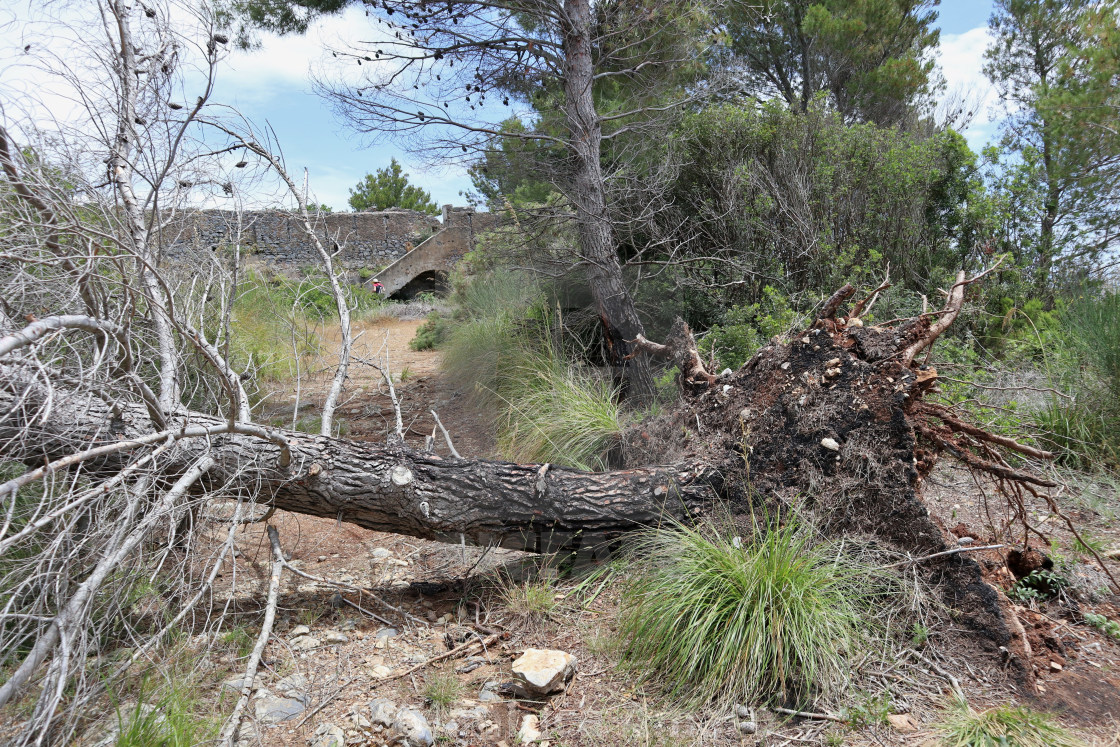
<point x="870" y="57"/>
<point x="389" y="188"/>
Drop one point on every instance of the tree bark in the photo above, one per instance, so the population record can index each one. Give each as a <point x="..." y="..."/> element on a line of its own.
<point x="390" y="488"/>
<point x="617" y="313"/>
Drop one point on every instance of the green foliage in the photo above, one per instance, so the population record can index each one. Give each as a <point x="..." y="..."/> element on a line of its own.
<point x="772" y="617"/>
<point x="431" y="334"/>
<point x="1007" y="726"/>
<point x="389" y="188"/>
<point x="1038" y="585"/>
<point x="559" y="414"/>
<point x="1058" y="99"/>
<point x="748" y="327"/>
<point x="500" y="348"/>
<point x="442" y="689"/>
<point x="176" y="718"/>
<point x="533" y="600"/>
<point x="510" y="169"/>
<point x="1110" y="628"/>
<point x="277" y="318"/>
<point x="870" y="56"/>
<point x="1086" y="429"/>
<point x="806" y="202"/>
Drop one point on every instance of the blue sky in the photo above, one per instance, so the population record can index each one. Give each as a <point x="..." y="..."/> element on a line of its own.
<point x="273" y="85"/>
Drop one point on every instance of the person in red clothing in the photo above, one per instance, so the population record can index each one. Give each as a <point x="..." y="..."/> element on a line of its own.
<point x="378" y="288"/>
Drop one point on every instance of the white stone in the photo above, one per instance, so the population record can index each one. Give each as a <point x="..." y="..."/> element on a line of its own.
<point x="383" y="711"/>
<point x="543" y="671"/>
<point x="333" y="636"/>
<point x="304" y="643"/>
<point x="530" y="729"/>
<point x="298" y="630"/>
<point x="830" y="444"/>
<point x="413" y="728"/>
<point x="328" y="735"/>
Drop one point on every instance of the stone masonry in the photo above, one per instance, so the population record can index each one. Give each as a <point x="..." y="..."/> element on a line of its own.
<point x="369" y="240"/>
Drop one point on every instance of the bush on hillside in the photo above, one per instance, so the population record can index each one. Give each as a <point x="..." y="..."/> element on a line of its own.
<point x="774" y="617"/>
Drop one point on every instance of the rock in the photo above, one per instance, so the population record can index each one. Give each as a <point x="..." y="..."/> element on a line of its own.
<point x="304" y="643"/>
<point x="322" y="558"/>
<point x="272" y="710"/>
<point x="297" y="631"/>
<point x="488" y="696"/>
<point x="451" y="726"/>
<point x="742" y="711"/>
<point x="748" y="727"/>
<point x="293" y="686"/>
<point x="902" y="722"/>
<point x="383" y="711"/>
<point x="328" y="735"/>
<point x="1055" y="666"/>
<point x="413" y="728"/>
<point x="965" y="541"/>
<point x="830" y="444"/>
<point x="237" y="683"/>
<point x="530" y="729"/>
<point x="543" y="671"/>
<point x="380" y="554"/>
<point x="333" y="637"/>
<point x="380" y="671"/>
<point x="386" y="633"/>
<point x="432" y="616"/>
<point x="247" y="735"/>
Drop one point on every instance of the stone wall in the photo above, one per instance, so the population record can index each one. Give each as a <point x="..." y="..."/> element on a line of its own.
<point x="373" y="239"/>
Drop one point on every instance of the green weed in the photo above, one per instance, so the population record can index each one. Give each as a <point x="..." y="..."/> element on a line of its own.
<point x="1003" y="727"/>
<point x="774" y="617"/>
<point x="177" y="718"/>
<point x="532" y="600"/>
<point x="442" y="689"/>
<point x="1110" y="628"/>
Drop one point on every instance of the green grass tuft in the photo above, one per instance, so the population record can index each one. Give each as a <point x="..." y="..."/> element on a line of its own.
<point x="774" y="619"/>
<point x="442" y="689"/>
<point x="559" y="414"/>
<point x="1003" y="727"/>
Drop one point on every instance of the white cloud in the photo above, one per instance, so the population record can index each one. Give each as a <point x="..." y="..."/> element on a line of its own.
<point x="961" y="59"/>
<point x="285" y="63"/>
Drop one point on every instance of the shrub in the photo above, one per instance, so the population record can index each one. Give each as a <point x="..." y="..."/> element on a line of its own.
<point x="431" y="334"/>
<point x="556" y="413"/>
<point x="501" y="349"/>
<point x="745" y="329"/>
<point x="1087" y="429"/>
<point x="442" y="689"/>
<point x="771" y="618"/>
<point x="1003" y="727"/>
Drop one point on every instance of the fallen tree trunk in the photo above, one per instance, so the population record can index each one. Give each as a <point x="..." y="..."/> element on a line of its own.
<point x="831" y="421"/>
<point x="390" y="488"/>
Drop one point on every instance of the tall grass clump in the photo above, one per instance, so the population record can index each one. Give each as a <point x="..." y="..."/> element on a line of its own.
<point x="769" y="618"/>
<point x="1086" y="429"/>
<point x="558" y="413"/>
<point x="486" y="339"/>
<point x="1003" y="727"/>
<point x="502" y="349"/>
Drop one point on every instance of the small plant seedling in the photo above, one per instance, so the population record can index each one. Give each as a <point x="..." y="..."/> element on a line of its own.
<point x="1110" y="628"/>
<point x="442" y="689"/>
<point x="920" y="634"/>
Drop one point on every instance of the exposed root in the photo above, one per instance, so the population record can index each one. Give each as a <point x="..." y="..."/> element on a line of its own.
<point x="679" y="347"/>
